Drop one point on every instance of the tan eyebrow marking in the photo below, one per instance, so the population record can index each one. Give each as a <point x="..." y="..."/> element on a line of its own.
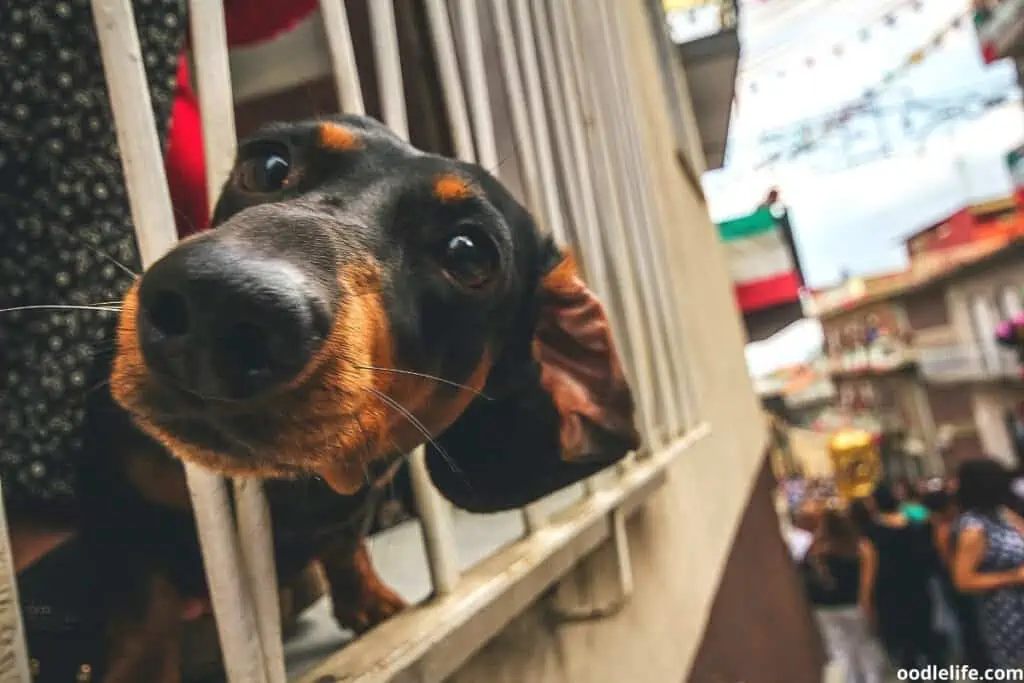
<point x="452" y="188"/>
<point x="338" y="138"/>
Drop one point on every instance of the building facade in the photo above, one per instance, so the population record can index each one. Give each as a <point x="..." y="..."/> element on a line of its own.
<point x="917" y="350"/>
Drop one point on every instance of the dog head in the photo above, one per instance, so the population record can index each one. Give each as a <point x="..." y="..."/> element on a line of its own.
<point x="357" y="298"/>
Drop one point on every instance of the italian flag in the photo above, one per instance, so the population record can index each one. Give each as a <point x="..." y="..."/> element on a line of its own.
<point x="762" y="266"/>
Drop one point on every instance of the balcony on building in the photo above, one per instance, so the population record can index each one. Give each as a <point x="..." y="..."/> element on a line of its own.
<point x="955" y="363"/>
<point x="708" y="47"/>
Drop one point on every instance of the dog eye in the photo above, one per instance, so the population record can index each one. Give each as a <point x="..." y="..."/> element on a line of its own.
<point x="268" y="171"/>
<point x="469" y="259"/>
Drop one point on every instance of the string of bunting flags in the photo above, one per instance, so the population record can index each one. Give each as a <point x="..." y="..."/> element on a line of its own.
<point x="866" y="34"/>
<point x="805" y="137"/>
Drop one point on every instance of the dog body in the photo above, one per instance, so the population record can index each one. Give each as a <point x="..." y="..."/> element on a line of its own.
<point x="357" y="298"/>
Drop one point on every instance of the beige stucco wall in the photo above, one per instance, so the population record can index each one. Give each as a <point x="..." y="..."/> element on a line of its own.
<point x="680" y="542"/>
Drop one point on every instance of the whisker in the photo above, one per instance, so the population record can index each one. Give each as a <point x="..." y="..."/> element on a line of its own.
<point x="62" y="307"/>
<point x="424" y="375"/>
<point x="414" y="421"/>
<point x="100" y="253"/>
<point x="97" y="387"/>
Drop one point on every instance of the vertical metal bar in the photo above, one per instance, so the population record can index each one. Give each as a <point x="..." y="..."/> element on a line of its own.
<point x="620" y="537"/>
<point x="438" y="536"/>
<point x="667" y="298"/>
<point x="567" y="165"/>
<point x="521" y="129"/>
<point x="612" y="212"/>
<point x="434" y="512"/>
<point x="520" y="17"/>
<point x="451" y="79"/>
<point x="212" y="72"/>
<point x="155" y="230"/>
<point x="605" y="62"/>
<point x="389" y="65"/>
<point x="14" y="664"/>
<point x="137" y="139"/>
<point x="343" y="56"/>
<point x="255" y="534"/>
<point x="590" y="225"/>
<point x="479" y="94"/>
<point x="230" y="593"/>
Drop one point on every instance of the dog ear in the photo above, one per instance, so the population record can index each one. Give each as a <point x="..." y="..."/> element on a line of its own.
<point x="563" y="409"/>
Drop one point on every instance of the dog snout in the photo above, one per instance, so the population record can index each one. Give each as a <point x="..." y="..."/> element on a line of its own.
<point x="222" y="323"/>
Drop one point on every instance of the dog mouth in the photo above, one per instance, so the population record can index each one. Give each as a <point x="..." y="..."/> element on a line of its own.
<point x="255" y="440"/>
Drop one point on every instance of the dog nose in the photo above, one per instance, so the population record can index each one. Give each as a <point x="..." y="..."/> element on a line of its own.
<point x="221" y="323"/>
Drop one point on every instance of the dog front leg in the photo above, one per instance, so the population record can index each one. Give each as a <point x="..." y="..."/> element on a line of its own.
<point x="361" y="599"/>
<point x="147" y="647"/>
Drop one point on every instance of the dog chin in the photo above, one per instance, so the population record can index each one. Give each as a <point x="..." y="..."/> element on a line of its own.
<point x="197" y="442"/>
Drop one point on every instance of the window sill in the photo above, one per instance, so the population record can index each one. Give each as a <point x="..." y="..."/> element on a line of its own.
<point x="429" y="643"/>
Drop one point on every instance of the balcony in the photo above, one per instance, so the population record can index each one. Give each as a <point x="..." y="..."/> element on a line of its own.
<point x="951" y="363"/>
<point x="708" y="45"/>
<point x="874" y="360"/>
<point x="822" y="391"/>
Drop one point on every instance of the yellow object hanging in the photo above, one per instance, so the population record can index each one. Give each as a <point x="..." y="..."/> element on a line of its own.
<point x="856" y="461"/>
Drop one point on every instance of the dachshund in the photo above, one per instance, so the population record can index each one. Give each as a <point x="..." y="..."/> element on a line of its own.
<point x="356" y="298"/>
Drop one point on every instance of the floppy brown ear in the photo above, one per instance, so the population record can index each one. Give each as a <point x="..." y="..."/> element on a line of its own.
<point x="569" y="415"/>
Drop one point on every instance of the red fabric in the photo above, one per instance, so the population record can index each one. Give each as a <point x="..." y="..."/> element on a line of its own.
<point x="772" y="291"/>
<point x="248" y="22"/>
<point x="256" y="21"/>
<point x="185" y="161"/>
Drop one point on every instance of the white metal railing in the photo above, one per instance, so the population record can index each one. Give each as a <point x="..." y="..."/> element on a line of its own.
<point x="577" y="128"/>
<point x="14" y="662"/>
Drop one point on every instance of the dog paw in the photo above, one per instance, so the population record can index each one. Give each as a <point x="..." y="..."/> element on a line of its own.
<point x="375" y="605"/>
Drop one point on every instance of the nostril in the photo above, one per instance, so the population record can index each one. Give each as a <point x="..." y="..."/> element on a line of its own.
<point x="168" y="313"/>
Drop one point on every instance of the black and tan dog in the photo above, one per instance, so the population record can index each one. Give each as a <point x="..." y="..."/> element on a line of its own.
<point x="357" y="298"/>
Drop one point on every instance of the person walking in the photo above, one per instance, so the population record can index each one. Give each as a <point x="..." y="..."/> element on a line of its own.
<point x="902" y="598"/>
<point x="944" y="515"/>
<point x="839" y="573"/>
<point x="989" y="559"/>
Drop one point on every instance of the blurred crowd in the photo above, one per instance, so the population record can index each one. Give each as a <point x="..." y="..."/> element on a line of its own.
<point x="919" y="573"/>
